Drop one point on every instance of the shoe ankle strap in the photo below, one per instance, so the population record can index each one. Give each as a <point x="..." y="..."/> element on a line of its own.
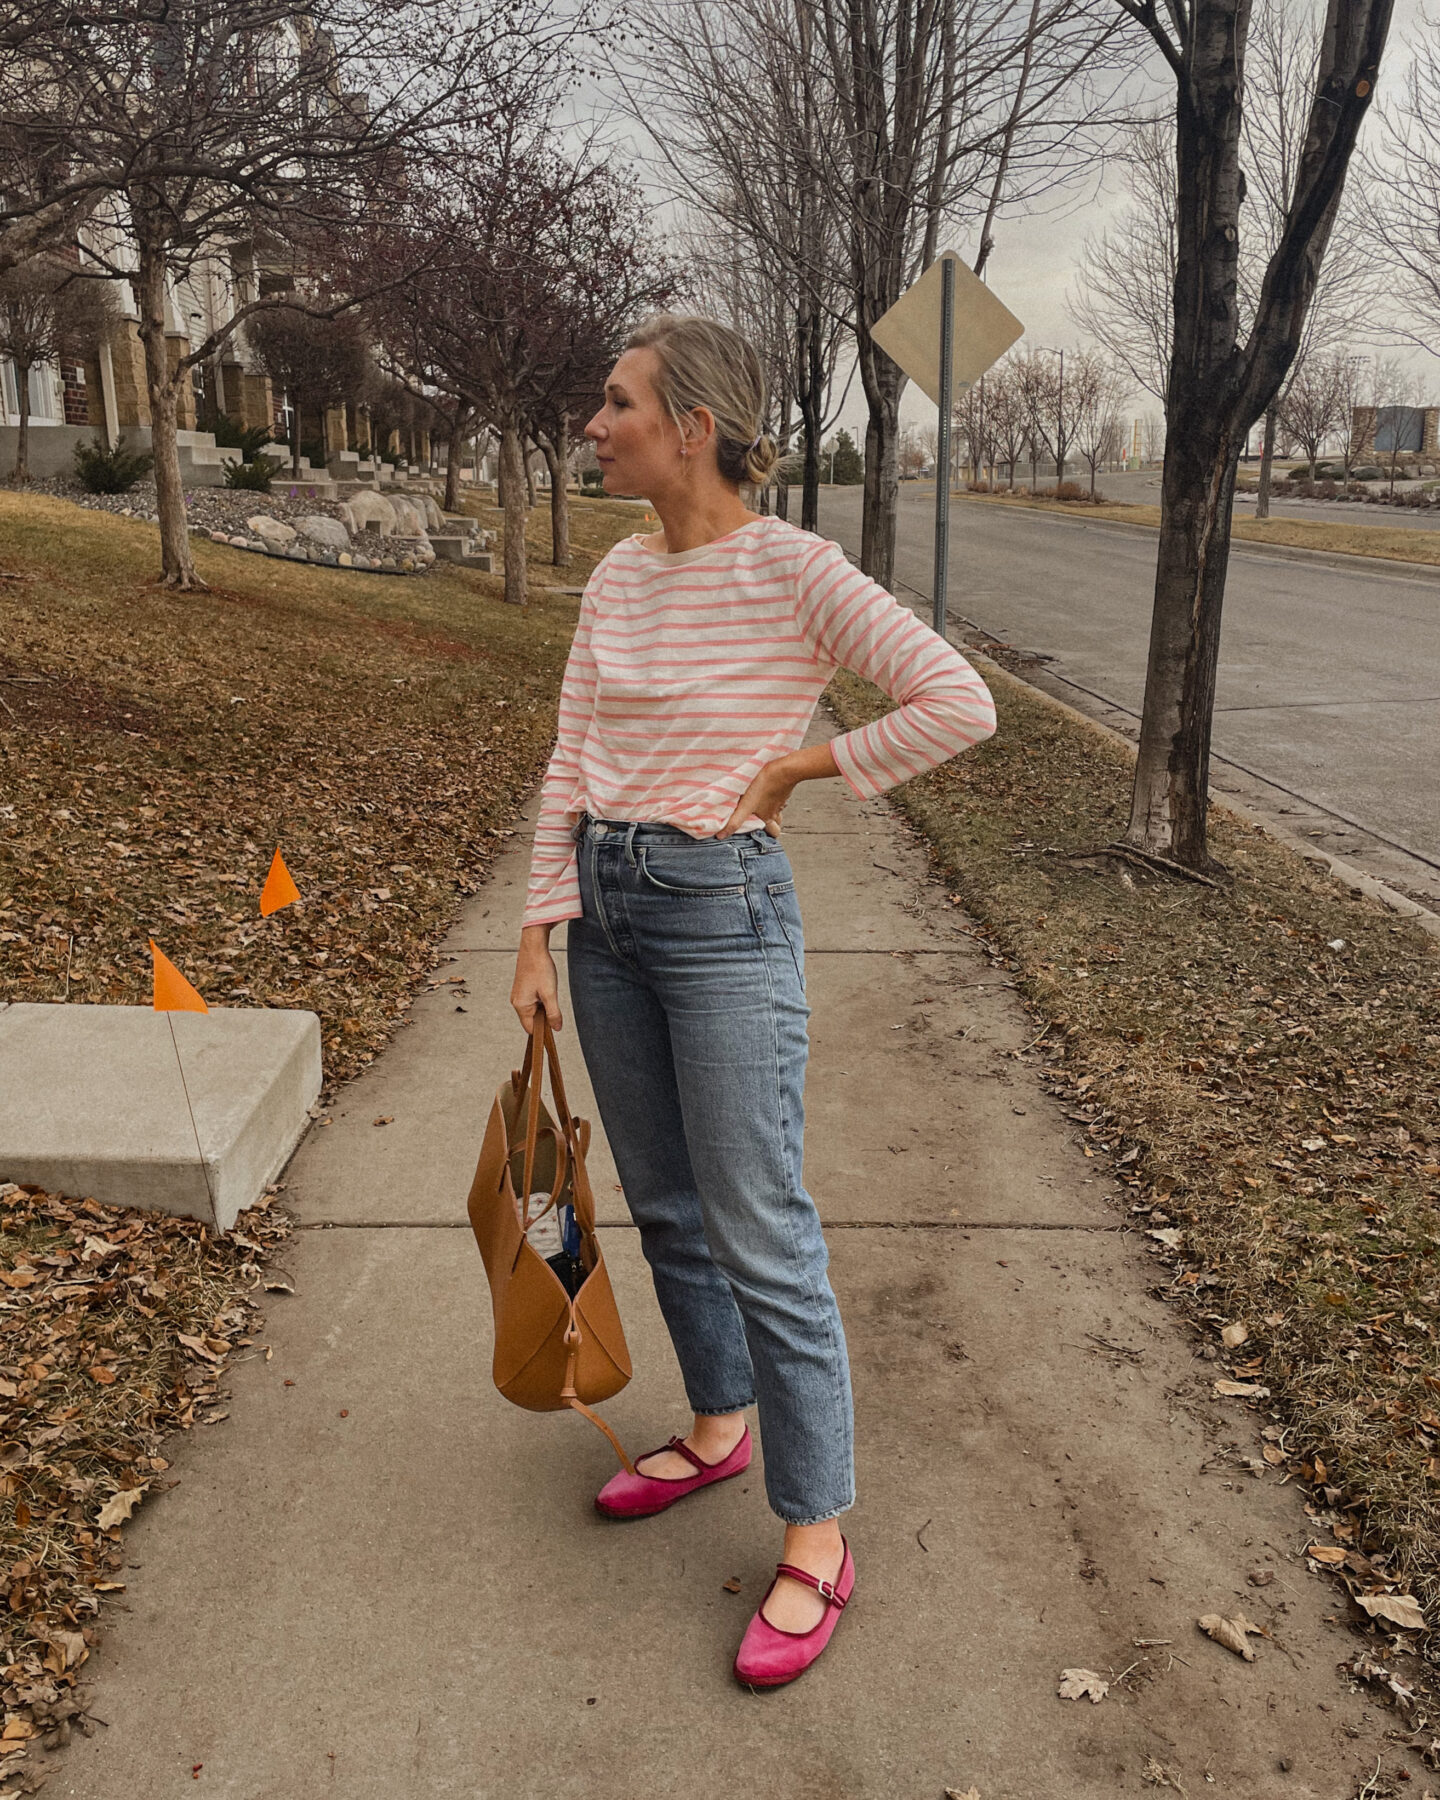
<point x="825" y="1589"/>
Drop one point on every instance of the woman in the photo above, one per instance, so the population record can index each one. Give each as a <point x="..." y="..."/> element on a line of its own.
<point x="699" y="656"/>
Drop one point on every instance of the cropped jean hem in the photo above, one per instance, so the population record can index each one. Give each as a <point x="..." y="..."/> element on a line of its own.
<point x="820" y="1519"/>
<point x="722" y="1412"/>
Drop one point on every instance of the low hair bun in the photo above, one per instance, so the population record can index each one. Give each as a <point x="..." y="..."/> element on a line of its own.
<point x="760" y="460"/>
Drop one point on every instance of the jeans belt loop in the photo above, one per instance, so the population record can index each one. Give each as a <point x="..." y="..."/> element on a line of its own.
<point x="630" y="842"/>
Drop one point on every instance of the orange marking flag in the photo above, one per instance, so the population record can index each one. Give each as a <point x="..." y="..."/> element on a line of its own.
<point x="173" y="993"/>
<point x="279" y="890"/>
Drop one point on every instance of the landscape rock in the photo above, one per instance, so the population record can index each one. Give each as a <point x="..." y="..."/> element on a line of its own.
<point x="274" y="532"/>
<point x="330" y="534"/>
<point x="367" y="510"/>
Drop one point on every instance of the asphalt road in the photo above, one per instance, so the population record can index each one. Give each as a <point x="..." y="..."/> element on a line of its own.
<point x="1329" y="682"/>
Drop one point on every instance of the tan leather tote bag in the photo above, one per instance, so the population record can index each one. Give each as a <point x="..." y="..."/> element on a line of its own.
<point x="551" y="1351"/>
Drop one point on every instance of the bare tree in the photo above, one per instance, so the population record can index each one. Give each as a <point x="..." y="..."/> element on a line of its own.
<point x="46" y="310"/>
<point x="317" y="362"/>
<point x="1100" y="392"/>
<point x="1314" y="403"/>
<point x="204" y="126"/>
<point x="1125" y="287"/>
<point x="1219" y="384"/>
<point x="1407" y="210"/>
<point x="900" y="118"/>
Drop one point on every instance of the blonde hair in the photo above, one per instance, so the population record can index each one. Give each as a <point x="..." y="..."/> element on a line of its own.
<point x="705" y="363"/>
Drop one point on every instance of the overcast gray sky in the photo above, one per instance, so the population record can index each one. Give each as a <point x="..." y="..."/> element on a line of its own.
<point x="1034" y="261"/>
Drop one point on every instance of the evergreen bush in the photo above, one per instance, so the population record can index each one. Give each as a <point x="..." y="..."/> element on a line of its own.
<point x="103" y="470"/>
<point x="254" y="476"/>
<point x="230" y="434"/>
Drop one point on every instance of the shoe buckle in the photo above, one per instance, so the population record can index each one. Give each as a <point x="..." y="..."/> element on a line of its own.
<point x="826" y="1590"/>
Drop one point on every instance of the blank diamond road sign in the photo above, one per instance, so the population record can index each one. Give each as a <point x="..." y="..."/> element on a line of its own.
<point x="985" y="328"/>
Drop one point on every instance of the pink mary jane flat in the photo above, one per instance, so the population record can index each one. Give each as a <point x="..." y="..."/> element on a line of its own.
<point x="627" y="1496"/>
<point x="769" y="1657"/>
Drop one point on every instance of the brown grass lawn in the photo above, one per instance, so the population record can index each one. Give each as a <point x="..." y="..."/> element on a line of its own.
<point x="1261" y="1062"/>
<point x="1393" y="543"/>
<point x="155" y="749"/>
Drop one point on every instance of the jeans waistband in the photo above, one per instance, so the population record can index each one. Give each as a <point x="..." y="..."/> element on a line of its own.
<point x="652" y="830"/>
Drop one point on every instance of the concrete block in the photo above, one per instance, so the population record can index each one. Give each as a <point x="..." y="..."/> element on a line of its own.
<point x="461" y="550"/>
<point x="94" y="1101"/>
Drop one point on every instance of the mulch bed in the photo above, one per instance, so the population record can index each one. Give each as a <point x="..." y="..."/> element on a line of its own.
<point x="1260" y="1064"/>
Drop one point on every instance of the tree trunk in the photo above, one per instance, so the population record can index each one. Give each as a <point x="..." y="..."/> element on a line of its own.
<point x="512" y="456"/>
<point x="454" y="451"/>
<point x="294" y="437"/>
<point x="177" y="565"/>
<point x="526" y="447"/>
<point x="1267" y="464"/>
<point x="1172" y="775"/>
<point x="556" y="456"/>
<point x="22" y="429"/>
<point x="811" y="398"/>
<point x="883" y="382"/>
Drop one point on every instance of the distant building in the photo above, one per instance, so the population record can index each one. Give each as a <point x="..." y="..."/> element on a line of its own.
<point x="1395" y="431"/>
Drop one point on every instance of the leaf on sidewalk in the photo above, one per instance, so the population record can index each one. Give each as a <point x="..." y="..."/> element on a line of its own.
<point x="1168" y="1235"/>
<point x="1244" y="1390"/>
<point x="1232" y="1633"/>
<point x="1399" y="1609"/>
<point x="1326" y="1553"/>
<point x="971" y="1793"/>
<point x="118" y="1508"/>
<point x="1082" y="1684"/>
<point x="1233" y="1336"/>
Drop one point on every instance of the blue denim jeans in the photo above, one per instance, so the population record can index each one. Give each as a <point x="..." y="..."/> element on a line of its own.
<point x="687" y="986"/>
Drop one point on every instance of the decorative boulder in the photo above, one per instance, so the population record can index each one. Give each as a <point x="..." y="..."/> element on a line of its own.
<point x="273" y="532"/>
<point x="409" y="519"/>
<point x="434" y="518"/>
<point x="367" y="509"/>
<point x="329" y="534"/>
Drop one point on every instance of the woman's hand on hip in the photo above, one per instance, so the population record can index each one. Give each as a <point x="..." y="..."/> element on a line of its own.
<point x="536" y="983"/>
<point x="764" y="798"/>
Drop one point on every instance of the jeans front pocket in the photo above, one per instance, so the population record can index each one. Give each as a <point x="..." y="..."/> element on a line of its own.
<point x="704" y="872"/>
<point x="786" y="907"/>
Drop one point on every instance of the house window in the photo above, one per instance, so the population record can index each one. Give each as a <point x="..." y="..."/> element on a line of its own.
<point x="45" y="404"/>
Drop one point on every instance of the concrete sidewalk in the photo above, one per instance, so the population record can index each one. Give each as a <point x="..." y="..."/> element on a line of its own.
<point x="417" y="1600"/>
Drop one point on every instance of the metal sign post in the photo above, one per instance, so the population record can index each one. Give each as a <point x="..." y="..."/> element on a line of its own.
<point x="949" y="310"/>
<point x="942" y="446"/>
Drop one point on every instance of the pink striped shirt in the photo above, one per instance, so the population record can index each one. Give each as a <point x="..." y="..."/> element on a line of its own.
<point x="690" y="672"/>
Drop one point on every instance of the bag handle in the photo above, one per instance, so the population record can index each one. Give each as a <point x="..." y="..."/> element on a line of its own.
<point x="542" y="1041"/>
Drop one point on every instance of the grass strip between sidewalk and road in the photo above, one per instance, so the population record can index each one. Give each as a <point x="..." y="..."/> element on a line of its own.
<point x="1390" y="543"/>
<point x="1260" y="1063"/>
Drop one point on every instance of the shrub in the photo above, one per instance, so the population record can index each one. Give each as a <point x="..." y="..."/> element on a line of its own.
<point x="101" y="470"/>
<point x="1069" y="490"/>
<point x="314" y="451"/>
<point x="254" y="476"/>
<point x="230" y="434"/>
<point x="1325" y="490"/>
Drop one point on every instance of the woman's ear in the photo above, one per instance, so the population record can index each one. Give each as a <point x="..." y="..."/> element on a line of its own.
<point x="697" y="429"/>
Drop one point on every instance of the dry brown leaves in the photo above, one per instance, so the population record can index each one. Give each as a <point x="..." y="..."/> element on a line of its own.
<point x="155" y="749"/>
<point x="1260" y="1064"/>
<point x="116" y="1329"/>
